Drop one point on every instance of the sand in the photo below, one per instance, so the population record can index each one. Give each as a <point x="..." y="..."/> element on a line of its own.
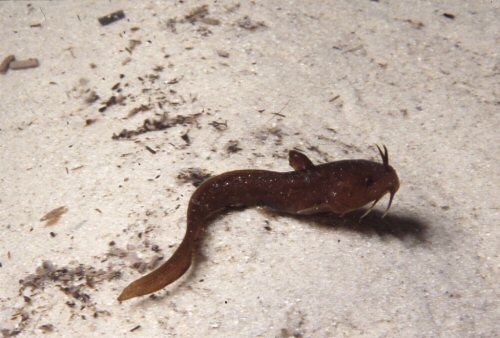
<point x="118" y="123"/>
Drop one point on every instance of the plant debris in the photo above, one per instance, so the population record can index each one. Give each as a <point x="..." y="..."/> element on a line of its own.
<point x="24" y="64"/>
<point x="110" y="18"/>
<point x="132" y="43"/>
<point x="141" y="108"/>
<point x="46" y="328"/>
<point x="195" y="176"/>
<point x="75" y="282"/>
<point x="71" y="281"/>
<point x="162" y="123"/>
<point x="4" y="66"/>
<point x="53" y="216"/>
<point x="197" y="13"/>
<point x="92" y="97"/>
<point x="111" y="102"/>
<point x="219" y="126"/>
<point x="10" y="333"/>
<point x="233" y="146"/>
<point x="137" y="327"/>
<point x="249" y="24"/>
<point x="185" y="138"/>
<point x="151" y="150"/>
<point x="88" y="122"/>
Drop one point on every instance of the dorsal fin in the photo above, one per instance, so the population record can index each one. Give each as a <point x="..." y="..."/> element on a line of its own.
<point x="299" y="161"/>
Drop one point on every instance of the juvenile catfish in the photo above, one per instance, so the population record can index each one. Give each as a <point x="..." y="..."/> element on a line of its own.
<point x="338" y="187"/>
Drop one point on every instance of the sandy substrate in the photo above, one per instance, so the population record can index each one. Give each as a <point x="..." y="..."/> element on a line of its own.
<point x="119" y="122"/>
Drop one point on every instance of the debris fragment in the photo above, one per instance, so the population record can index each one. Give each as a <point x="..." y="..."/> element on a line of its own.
<point x="23" y="64"/>
<point x="110" y="18"/>
<point x="249" y="24"/>
<point x="10" y="333"/>
<point x="77" y="283"/>
<point x="220" y="126"/>
<point x="415" y="24"/>
<point x="186" y="138"/>
<point x="197" y="13"/>
<point x="88" y="122"/>
<point x="151" y="150"/>
<point x="171" y="25"/>
<point x="174" y="80"/>
<point x="222" y="53"/>
<point x="111" y="102"/>
<point x="72" y="281"/>
<point x="233" y="146"/>
<point x="195" y="176"/>
<point x="162" y="123"/>
<point x="135" y="328"/>
<point x="4" y="66"/>
<point x="53" y="216"/>
<point x="46" y="328"/>
<point x="92" y="97"/>
<point x="132" y="43"/>
<point x="449" y="16"/>
<point x="210" y="21"/>
<point x="127" y="60"/>
<point x="334" y="98"/>
<point x="141" y="108"/>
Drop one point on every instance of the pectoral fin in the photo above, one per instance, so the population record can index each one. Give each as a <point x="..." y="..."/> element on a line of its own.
<point x="299" y="161"/>
<point x="315" y="209"/>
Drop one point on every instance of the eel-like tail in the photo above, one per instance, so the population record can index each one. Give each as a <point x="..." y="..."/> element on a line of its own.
<point x="167" y="273"/>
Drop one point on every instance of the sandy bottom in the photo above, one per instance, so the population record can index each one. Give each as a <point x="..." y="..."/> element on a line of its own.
<point x="102" y="145"/>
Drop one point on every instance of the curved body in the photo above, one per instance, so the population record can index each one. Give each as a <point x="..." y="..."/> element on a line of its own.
<point x="339" y="187"/>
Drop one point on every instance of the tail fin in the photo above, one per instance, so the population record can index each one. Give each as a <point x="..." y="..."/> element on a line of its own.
<point x="167" y="273"/>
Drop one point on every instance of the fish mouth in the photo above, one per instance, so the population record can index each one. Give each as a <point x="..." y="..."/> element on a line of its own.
<point x="392" y="192"/>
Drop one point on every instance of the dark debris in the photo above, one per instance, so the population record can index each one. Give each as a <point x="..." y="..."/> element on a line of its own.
<point x="250" y="25"/>
<point x="233" y="146"/>
<point x="110" y="18"/>
<point x="162" y="123"/>
<point x="195" y="176"/>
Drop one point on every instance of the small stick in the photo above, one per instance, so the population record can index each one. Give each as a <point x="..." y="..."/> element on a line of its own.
<point x="4" y="66"/>
<point x="23" y="64"/>
<point x="115" y="16"/>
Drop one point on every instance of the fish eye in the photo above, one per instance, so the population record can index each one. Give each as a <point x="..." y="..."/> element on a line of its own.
<point x="369" y="181"/>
